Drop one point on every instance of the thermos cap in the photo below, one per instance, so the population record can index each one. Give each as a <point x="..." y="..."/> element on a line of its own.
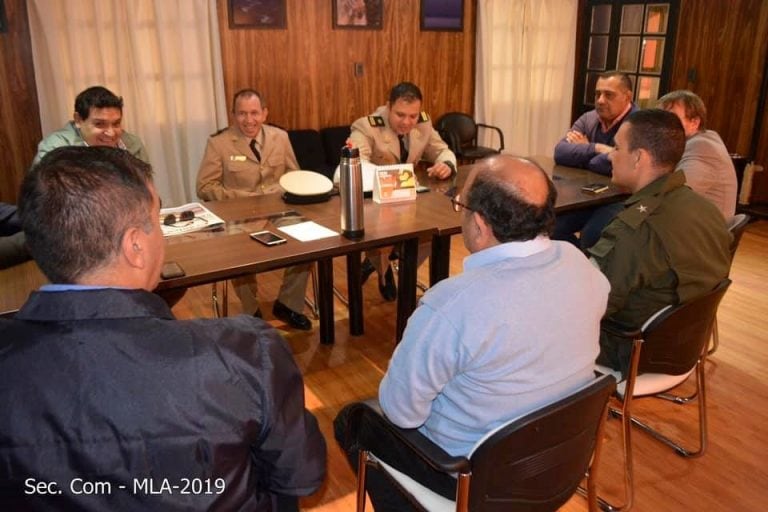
<point x="350" y="152"/>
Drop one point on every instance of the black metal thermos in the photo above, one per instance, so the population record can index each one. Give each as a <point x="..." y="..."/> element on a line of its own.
<point x="351" y="192"/>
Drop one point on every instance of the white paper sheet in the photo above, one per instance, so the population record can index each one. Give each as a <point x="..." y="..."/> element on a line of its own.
<point x="306" y="231"/>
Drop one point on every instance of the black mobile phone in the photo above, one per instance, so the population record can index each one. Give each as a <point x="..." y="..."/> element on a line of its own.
<point x="595" y="188"/>
<point x="171" y="270"/>
<point x="267" y="238"/>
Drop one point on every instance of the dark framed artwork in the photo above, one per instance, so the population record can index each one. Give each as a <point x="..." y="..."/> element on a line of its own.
<point x="442" y="15"/>
<point x="358" y="14"/>
<point x="3" y="21"/>
<point x="257" y="14"/>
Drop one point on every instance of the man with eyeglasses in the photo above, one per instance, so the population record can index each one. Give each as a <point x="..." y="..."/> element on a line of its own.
<point x="587" y="145"/>
<point x="517" y="329"/>
<point x="247" y="159"/>
<point x="97" y="121"/>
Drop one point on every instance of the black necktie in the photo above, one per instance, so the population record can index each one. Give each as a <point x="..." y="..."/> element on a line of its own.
<point x="403" y="149"/>
<point x="255" y="150"/>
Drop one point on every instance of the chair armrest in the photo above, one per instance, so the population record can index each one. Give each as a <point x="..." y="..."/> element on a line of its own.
<point x="417" y="442"/>
<point x="498" y="130"/>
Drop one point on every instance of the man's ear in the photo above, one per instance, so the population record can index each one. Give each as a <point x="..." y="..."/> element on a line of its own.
<point x="696" y="121"/>
<point x="484" y="234"/>
<point x="266" y="113"/>
<point x="78" y="120"/>
<point x="133" y="247"/>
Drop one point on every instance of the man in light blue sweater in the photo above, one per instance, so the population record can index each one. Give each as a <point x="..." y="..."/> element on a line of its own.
<point x="518" y="329"/>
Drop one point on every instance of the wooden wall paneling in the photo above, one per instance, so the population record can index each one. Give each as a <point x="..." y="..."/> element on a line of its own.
<point x="19" y="112"/>
<point x="724" y="44"/>
<point x="307" y="71"/>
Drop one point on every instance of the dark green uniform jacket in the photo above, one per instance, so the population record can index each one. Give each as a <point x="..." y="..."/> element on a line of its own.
<point x="668" y="246"/>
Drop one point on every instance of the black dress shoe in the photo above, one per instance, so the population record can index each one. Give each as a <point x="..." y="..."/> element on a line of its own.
<point x="366" y="269"/>
<point x="291" y="317"/>
<point x="387" y="286"/>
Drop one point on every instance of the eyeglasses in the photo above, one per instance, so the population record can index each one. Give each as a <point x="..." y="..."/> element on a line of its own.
<point x="185" y="216"/>
<point x="458" y="205"/>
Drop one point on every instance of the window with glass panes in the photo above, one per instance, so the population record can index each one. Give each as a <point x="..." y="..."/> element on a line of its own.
<point x="634" y="37"/>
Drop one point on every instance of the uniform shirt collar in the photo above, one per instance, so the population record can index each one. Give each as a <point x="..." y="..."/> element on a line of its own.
<point x="661" y="186"/>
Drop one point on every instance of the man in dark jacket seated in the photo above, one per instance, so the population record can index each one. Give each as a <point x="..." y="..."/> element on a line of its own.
<point x="109" y="402"/>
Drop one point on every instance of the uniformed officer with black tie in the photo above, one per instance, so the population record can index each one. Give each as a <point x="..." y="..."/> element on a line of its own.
<point x="399" y="132"/>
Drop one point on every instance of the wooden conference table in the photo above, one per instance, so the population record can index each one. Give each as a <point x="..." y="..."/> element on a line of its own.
<point x="228" y="252"/>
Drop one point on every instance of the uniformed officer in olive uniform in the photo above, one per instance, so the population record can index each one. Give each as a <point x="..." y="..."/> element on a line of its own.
<point x="399" y="132"/>
<point x="669" y="244"/>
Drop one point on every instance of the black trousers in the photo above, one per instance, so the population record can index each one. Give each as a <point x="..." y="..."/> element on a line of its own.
<point x="354" y="431"/>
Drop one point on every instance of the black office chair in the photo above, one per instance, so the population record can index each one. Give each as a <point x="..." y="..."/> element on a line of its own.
<point x="666" y="350"/>
<point x="736" y="226"/>
<point x="460" y="132"/>
<point x="334" y="138"/>
<point x="532" y="463"/>
<point x="308" y="148"/>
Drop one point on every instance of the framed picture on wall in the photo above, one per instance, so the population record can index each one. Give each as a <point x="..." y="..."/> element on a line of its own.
<point x="358" y="14"/>
<point x="442" y="15"/>
<point x="257" y="14"/>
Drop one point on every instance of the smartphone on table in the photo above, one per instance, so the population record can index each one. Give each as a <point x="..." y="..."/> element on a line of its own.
<point x="267" y="238"/>
<point x="595" y="188"/>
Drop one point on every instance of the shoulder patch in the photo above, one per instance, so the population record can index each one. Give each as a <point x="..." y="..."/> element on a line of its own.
<point x="423" y="117"/>
<point x="376" y="121"/>
<point x="636" y="214"/>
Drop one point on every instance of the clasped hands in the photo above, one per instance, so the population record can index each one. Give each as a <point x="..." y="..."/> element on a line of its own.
<point x="575" y="137"/>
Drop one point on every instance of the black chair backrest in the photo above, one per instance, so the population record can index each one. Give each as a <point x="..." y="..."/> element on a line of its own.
<point x="334" y="138"/>
<point x="737" y="227"/>
<point x="537" y="462"/>
<point x="675" y="339"/>
<point x="461" y="125"/>
<point x="308" y="148"/>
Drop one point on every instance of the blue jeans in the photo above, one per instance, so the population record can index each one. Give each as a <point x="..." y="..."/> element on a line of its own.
<point x="590" y="224"/>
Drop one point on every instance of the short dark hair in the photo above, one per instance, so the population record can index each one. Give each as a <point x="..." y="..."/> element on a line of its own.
<point x="660" y="133"/>
<point x="96" y="97"/>
<point x="405" y="91"/>
<point x="247" y="93"/>
<point x="511" y="217"/>
<point x="77" y="203"/>
<point x="693" y="105"/>
<point x="624" y="79"/>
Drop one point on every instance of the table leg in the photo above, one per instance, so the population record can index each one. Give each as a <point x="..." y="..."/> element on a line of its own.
<point x="439" y="259"/>
<point x="355" y="294"/>
<point x="406" y="289"/>
<point x="325" y="300"/>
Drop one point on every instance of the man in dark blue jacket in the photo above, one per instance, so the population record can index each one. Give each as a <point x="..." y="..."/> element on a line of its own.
<point x="587" y="145"/>
<point x="113" y="404"/>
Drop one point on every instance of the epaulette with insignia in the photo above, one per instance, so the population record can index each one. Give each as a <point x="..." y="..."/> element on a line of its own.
<point x="423" y="117"/>
<point x="636" y="214"/>
<point x="376" y="121"/>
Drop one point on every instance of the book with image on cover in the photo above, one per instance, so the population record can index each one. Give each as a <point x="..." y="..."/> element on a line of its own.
<point x="187" y="218"/>
<point x="394" y="183"/>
